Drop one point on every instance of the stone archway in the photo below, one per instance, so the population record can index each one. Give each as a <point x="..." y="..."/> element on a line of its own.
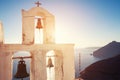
<point x="16" y="58"/>
<point x="57" y="59"/>
<point x="50" y="65"/>
<point x="39" y="65"/>
<point x="38" y="29"/>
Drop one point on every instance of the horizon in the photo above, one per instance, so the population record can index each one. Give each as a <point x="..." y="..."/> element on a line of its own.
<point x="85" y="23"/>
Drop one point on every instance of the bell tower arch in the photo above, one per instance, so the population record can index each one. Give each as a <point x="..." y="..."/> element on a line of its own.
<point x="28" y="25"/>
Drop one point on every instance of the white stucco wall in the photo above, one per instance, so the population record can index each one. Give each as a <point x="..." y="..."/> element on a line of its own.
<point x="28" y="24"/>
<point x="1" y="33"/>
<point x="64" y="55"/>
<point x="5" y="66"/>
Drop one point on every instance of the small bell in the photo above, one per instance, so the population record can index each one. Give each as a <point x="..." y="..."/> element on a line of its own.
<point x="50" y="64"/>
<point x="39" y="24"/>
<point x="21" y="70"/>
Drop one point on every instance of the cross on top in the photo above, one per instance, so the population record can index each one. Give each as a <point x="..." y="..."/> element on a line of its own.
<point x="38" y="3"/>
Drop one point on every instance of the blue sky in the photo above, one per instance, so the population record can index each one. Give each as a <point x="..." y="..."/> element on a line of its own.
<point x="82" y="22"/>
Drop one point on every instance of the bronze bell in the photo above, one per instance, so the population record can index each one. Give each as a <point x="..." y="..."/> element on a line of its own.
<point x="39" y="24"/>
<point x="21" y="70"/>
<point x="50" y="64"/>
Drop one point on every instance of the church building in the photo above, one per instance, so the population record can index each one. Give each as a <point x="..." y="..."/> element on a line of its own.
<point x="38" y="25"/>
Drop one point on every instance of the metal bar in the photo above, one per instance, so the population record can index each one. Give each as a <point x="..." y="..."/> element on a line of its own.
<point x="22" y="57"/>
<point x="51" y="56"/>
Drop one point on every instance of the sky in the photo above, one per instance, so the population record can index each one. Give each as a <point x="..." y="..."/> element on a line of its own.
<point x="85" y="23"/>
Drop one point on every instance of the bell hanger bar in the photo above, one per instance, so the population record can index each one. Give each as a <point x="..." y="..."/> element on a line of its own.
<point x="22" y="57"/>
<point x="52" y="56"/>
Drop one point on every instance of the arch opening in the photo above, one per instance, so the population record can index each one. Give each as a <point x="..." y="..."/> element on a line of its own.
<point x="50" y="70"/>
<point x="38" y="31"/>
<point x="16" y="61"/>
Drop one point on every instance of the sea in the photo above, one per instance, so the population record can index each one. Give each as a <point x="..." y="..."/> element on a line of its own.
<point x="83" y="58"/>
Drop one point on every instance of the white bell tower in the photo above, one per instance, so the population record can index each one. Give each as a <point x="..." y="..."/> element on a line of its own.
<point x="62" y="55"/>
<point x="28" y="25"/>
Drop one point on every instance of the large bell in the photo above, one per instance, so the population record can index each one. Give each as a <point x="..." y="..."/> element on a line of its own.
<point x="39" y="24"/>
<point x="21" y="71"/>
<point x="50" y="64"/>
